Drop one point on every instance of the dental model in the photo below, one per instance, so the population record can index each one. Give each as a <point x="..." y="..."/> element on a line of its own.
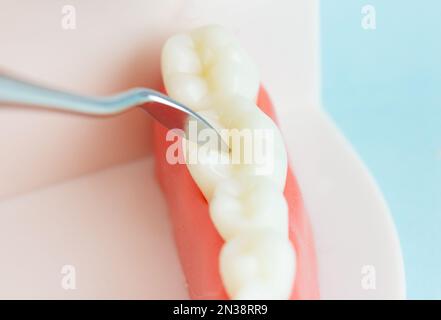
<point x="240" y="227"/>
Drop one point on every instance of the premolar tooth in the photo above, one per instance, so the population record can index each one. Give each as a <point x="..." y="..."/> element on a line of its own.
<point x="263" y="262"/>
<point x="247" y="203"/>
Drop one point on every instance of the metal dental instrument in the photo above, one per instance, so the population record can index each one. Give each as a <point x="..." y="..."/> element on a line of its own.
<point x="170" y="113"/>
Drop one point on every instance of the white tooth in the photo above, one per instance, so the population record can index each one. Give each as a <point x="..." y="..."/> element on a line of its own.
<point x="210" y="168"/>
<point x="270" y="158"/>
<point x="231" y="109"/>
<point x="267" y="148"/>
<point x="208" y="164"/>
<point x="228" y="67"/>
<point x="207" y="167"/>
<point x="244" y="204"/>
<point x="234" y="72"/>
<point x="187" y="88"/>
<point x="213" y="36"/>
<point x="179" y="56"/>
<point x="207" y="61"/>
<point x="258" y="265"/>
<point x="209" y="40"/>
<point x="181" y="70"/>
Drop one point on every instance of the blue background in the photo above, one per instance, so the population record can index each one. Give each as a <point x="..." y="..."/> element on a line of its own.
<point x="383" y="89"/>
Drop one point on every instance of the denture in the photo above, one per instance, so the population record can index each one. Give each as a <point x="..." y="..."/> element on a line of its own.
<point x="241" y="232"/>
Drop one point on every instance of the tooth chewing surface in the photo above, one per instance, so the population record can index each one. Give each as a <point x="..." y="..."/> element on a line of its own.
<point x="248" y="204"/>
<point x="207" y="70"/>
<point x="258" y="265"/>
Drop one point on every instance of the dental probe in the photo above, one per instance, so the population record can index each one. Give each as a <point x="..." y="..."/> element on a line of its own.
<point x="170" y="113"/>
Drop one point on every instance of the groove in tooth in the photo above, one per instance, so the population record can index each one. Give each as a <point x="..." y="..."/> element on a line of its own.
<point x="243" y="204"/>
<point x="258" y="265"/>
<point x="229" y="69"/>
<point x="207" y="61"/>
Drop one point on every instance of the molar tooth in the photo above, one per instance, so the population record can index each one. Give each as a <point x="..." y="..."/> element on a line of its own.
<point x="232" y="110"/>
<point x="267" y="148"/>
<point x="234" y="72"/>
<point x="243" y="204"/>
<point x="179" y="56"/>
<point x="207" y="167"/>
<point x="269" y="153"/>
<point x="263" y="262"/>
<point x="211" y="39"/>
<point x="213" y="63"/>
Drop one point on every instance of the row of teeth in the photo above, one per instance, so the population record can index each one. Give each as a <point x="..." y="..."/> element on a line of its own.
<point x="207" y="70"/>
